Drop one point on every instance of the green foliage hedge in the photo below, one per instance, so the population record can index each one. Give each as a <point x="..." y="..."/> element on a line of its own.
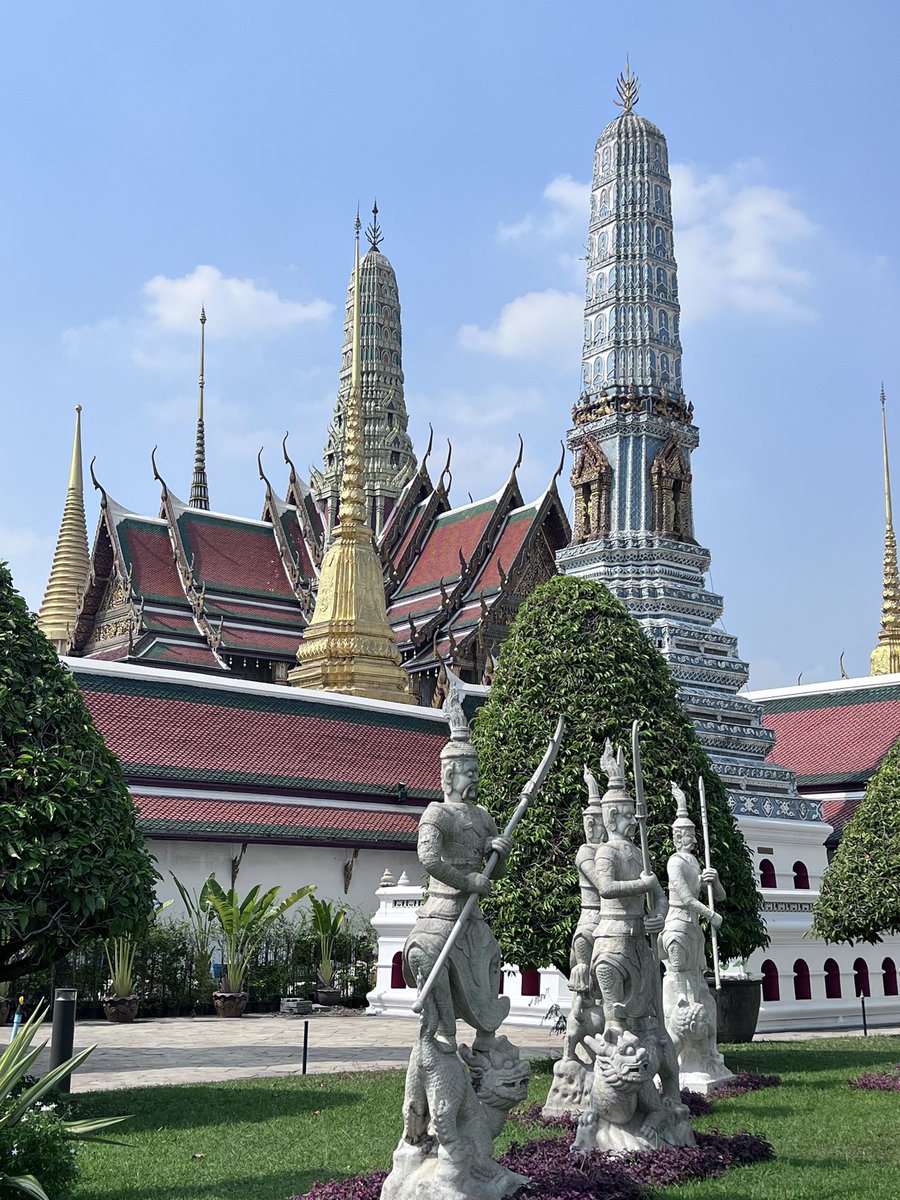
<point x="74" y="866"/>
<point x="860" y="895"/>
<point x="573" y="649"/>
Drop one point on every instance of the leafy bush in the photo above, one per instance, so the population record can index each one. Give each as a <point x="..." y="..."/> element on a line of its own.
<point x="40" y="1146"/>
<point x="75" y="866"/>
<point x="860" y="895"/>
<point x="574" y="650"/>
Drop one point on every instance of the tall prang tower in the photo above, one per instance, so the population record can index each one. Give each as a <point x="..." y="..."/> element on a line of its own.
<point x="632" y="440"/>
<point x="389" y="458"/>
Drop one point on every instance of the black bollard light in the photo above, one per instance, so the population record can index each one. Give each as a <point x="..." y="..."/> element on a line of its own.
<point x="862" y="1001"/>
<point x="62" y="1039"/>
<point x="305" y="1045"/>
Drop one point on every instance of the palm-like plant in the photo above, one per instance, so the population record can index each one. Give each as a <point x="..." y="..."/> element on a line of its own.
<point x="15" y="1062"/>
<point x="326" y="923"/>
<point x="120" y="954"/>
<point x="244" y="923"/>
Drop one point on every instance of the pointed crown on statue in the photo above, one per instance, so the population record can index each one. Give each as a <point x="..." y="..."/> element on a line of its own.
<point x="612" y="764"/>
<point x="682" y="820"/>
<point x="460" y="744"/>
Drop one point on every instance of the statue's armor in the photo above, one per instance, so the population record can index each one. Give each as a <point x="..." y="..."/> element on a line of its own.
<point x="454" y="840"/>
<point x="582" y="939"/>
<point x="622" y="964"/>
<point x="682" y="942"/>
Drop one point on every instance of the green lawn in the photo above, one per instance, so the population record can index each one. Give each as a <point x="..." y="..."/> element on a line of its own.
<point x="265" y="1140"/>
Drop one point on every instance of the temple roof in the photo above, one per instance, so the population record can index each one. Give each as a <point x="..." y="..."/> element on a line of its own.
<point x="833" y="734"/>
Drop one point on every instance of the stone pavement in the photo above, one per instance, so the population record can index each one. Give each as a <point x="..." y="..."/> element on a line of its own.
<point x="208" y="1049"/>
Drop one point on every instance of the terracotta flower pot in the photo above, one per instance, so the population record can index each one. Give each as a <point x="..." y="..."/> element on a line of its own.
<point x="230" y="1004"/>
<point x="120" y="1008"/>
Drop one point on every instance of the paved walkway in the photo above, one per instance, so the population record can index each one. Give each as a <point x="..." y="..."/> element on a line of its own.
<point x="209" y="1049"/>
<point x="206" y="1049"/>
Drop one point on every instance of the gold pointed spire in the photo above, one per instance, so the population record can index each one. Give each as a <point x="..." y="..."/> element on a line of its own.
<point x="348" y="646"/>
<point x="628" y="86"/>
<point x="200" y="484"/>
<point x="71" y="561"/>
<point x="885" y="658"/>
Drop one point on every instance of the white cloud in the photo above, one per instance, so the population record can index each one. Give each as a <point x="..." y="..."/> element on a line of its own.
<point x="568" y="204"/>
<point x="736" y="242"/>
<point x="739" y="243"/>
<point x="236" y="308"/>
<point x="536" y="325"/>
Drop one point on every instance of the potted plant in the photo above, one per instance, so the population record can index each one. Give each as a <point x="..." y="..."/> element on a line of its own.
<point x="243" y="925"/>
<point x="203" y="932"/>
<point x="326" y="923"/>
<point x="121" y="1002"/>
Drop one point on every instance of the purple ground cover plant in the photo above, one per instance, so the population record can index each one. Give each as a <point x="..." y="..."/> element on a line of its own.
<point x="744" y="1082"/>
<point x="558" y="1174"/>
<point x="696" y="1104"/>
<point x="878" y="1081"/>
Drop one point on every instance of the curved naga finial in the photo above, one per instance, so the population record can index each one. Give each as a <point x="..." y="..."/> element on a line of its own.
<point x="156" y="474"/>
<point x="262" y="473"/>
<point x="104" y="499"/>
<point x="562" y="462"/>
<point x="427" y="453"/>
<point x="446" y="470"/>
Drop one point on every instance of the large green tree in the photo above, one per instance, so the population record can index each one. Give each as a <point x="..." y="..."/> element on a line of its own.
<point x="860" y="896"/>
<point x="72" y="860"/>
<point x="573" y="649"/>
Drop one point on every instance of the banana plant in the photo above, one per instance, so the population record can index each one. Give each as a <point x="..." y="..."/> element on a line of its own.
<point x="244" y="923"/>
<point x="15" y="1062"/>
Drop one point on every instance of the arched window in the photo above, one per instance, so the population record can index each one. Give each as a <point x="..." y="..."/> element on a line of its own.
<point x="663" y="325"/>
<point x="598" y="371"/>
<point x="604" y="159"/>
<point x="612" y="278"/>
<point x="801" y="877"/>
<point x="664" y="368"/>
<point x="613" y="320"/>
<point x="531" y="982"/>
<point x="770" y="986"/>
<point x="588" y="288"/>
<point x="659" y="238"/>
<point x="649" y="318"/>
<point x="657" y="198"/>
<point x="395" y="458"/>
<point x="390" y="419"/>
<point x="889" y="977"/>
<point x="861" y="978"/>
<point x="601" y="284"/>
<point x="832" y="980"/>
<point x="662" y="283"/>
<point x="600" y="328"/>
<point x="802" y="989"/>
<point x="397" y="980"/>
<point x="587" y="331"/>
<point x="678" y="372"/>
<point x="604" y="202"/>
<point x="652" y="366"/>
<point x="586" y="373"/>
<point x="767" y="876"/>
<point x="611" y="368"/>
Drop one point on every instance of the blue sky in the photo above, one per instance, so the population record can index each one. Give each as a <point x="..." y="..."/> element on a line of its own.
<point x="161" y="157"/>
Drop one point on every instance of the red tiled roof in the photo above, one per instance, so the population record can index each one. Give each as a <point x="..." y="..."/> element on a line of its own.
<point x="163" y="731"/>
<point x="173" y="622"/>
<point x="290" y="523"/>
<point x="462" y="530"/>
<point x="841" y="743"/>
<point x="146" y="548"/>
<point x="182" y="654"/>
<point x="274" y="641"/>
<point x="515" y="531"/>
<point x="282" y="617"/>
<point x="289" y="822"/>
<point x="838" y="813"/>
<point x="232" y="554"/>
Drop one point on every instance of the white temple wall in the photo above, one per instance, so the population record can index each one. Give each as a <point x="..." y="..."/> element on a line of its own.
<point x="288" y="866"/>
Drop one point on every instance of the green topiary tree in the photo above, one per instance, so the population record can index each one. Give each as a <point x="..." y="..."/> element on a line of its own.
<point x="73" y="862"/>
<point x="573" y="649"/>
<point x="860" y="896"/>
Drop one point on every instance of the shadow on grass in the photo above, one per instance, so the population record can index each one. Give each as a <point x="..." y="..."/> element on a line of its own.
<point x="786" y="1062"/>
<point x="207" y="1105"/>
<point x="273" y="1185"/>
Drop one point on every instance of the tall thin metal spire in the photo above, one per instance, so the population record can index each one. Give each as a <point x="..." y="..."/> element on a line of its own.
<point x="71" y="560"/>
<point x="885" y="658"/>
<point x="200" y="484"/>
<point x="348" y="645"/>
<point x="373" y="232"/>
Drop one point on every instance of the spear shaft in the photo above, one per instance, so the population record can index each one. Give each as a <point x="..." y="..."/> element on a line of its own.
<point x="640" y="812"/>
<point x="704" y="821"/>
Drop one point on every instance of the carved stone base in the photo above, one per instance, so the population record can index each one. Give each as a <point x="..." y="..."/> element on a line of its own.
<point x="423" y="1172"/>
<point x="570" y="1091"/>
<point x="668" y="1125"/>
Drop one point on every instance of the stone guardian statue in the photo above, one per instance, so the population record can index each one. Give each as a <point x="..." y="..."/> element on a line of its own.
<point x="457" y="1097"/>
<point x="690" y="1008"/>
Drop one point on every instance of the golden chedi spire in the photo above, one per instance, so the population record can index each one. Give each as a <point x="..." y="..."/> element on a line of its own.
<point x="348" y="646"/>
<point x="71" y="562"/>
<point x="885" y="658"/>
